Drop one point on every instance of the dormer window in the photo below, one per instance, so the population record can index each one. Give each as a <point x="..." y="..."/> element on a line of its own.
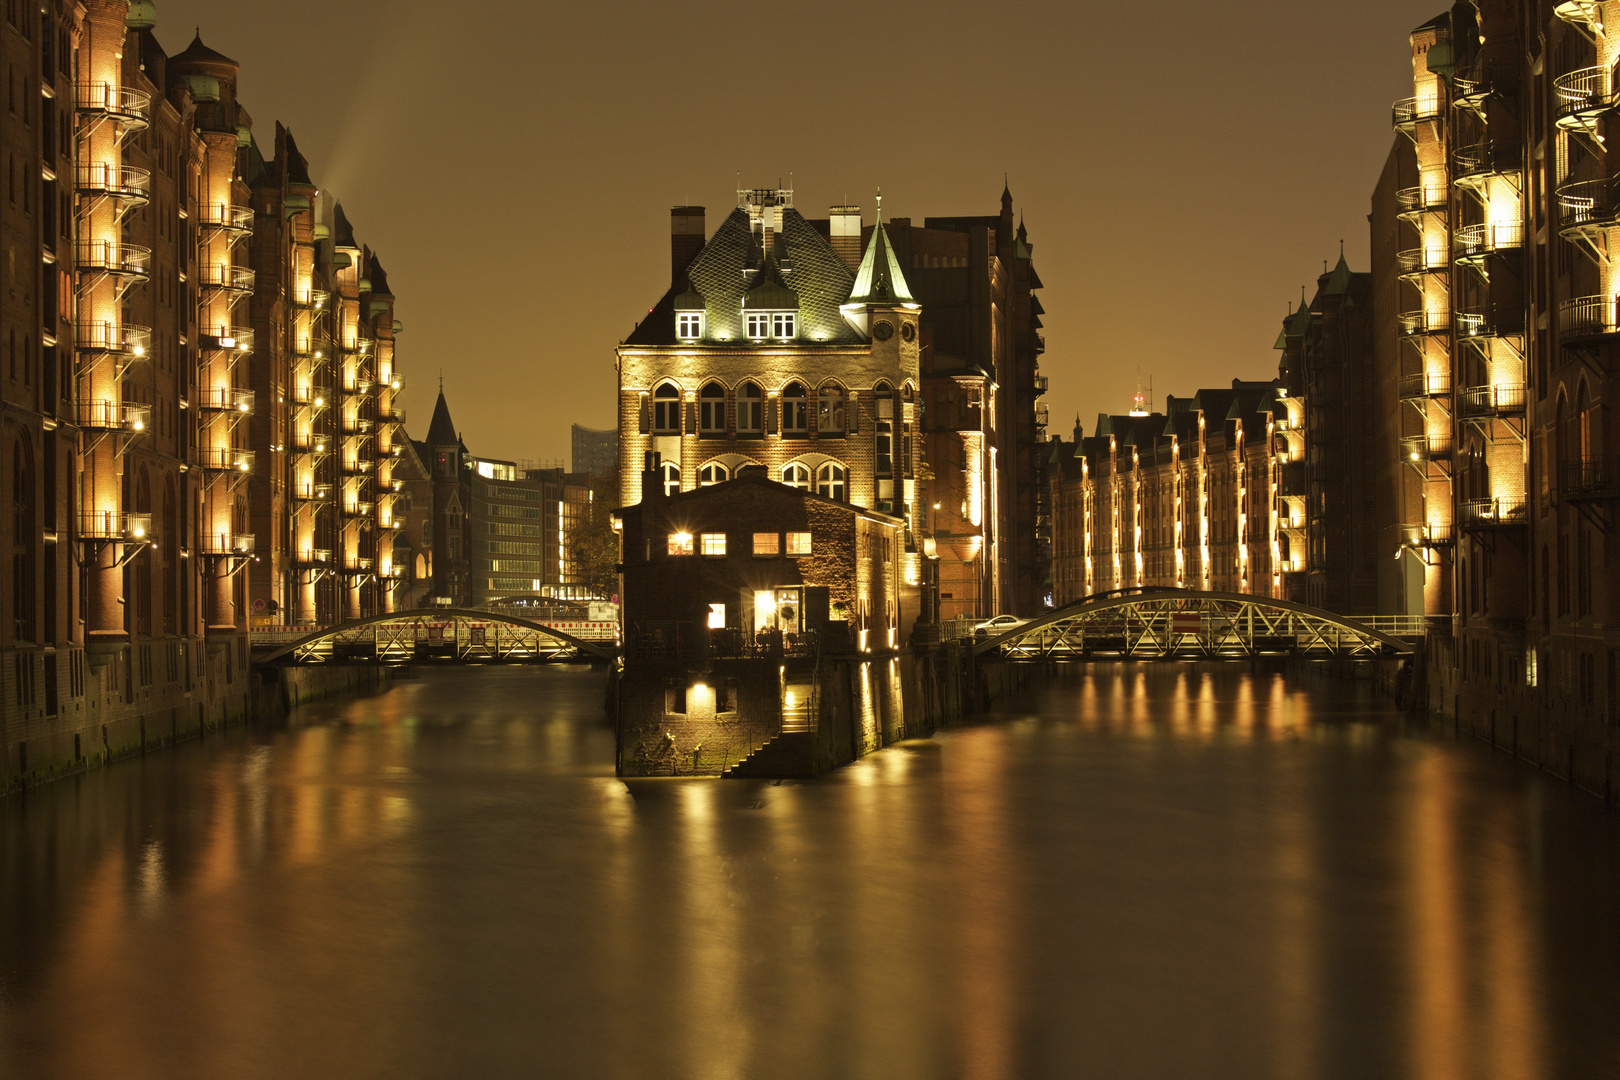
<point x="779" y="325"/>
<point x="689" y="325"/>
<point x="783" y="325"/>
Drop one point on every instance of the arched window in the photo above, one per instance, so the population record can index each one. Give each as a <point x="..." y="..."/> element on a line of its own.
<point x="672" y="478"/>
<point x="831" y="481"/>
<point x="750" y="409"/>
<point x="666" y="410"/>
<point x="831" y="411"/>
<point x="795" y="410"/>
<point x="711" y="474"/>
<point x="712" y="410"/>
<point x="796" y="475"/>
<point x="24" y="535"/>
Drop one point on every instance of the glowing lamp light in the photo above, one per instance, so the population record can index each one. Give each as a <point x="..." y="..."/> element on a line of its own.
<point x="139" y="350"/>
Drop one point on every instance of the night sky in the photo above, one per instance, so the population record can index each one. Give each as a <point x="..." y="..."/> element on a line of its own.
<point x="1182" y="167"/>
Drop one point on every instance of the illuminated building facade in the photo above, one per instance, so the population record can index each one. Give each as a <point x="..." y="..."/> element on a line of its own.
<point x="1189" y="498"/>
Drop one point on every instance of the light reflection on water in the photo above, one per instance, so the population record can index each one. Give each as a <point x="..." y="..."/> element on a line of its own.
<point x="1150" y="871"/>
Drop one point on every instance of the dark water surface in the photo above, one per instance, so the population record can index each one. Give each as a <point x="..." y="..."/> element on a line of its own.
<point x="1141" y="872"/>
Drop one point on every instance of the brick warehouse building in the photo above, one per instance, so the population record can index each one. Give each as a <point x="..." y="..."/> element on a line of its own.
<point x="146" y="420"/>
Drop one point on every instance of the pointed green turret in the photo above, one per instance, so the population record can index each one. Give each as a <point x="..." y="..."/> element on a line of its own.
<point x="879" y="279"/>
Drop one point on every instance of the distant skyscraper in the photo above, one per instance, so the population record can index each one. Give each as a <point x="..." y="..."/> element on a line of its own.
<point x="595" y="452"/>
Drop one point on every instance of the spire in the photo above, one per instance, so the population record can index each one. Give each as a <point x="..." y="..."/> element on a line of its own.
<point x="1006" y="192"/>
<point x="441" y="430"/>
<point x="879" y="280"/>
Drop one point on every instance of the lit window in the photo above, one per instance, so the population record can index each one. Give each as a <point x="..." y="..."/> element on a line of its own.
<point x="831" y="481"/>
<point x="750" y="409"/>
<point x="714" y="543"/>
<point x="717" y="616"/>
<point x="689" y="325"/>
<point x="795" y="410"/>
<point x="680" y="543"/>
<point x="712" y="410"/>
<point x="798" y="543"/>
<point x="759" y="325"/>
<point x="766" y="543"/>
<point x="783" y="325"/>
<point x="796" y="475"/>
<point x="830" y="411"/>
<point x="710" y="475"/>
<point x="667" y="410"/>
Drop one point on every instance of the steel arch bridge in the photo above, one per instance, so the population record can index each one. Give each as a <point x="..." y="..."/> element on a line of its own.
<point x="1161" y="623"/>
<point x="455" y="635"/>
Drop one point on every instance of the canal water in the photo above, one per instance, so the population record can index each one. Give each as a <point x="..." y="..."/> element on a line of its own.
<point x="1151" y="871"/>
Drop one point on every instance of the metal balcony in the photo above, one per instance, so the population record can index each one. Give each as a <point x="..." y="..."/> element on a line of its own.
<point x="114" y="416"/>
<point x="114" y="525"/>
<point x="1586" y="204"/>
<point x="100" y="179"/>
<point x="1502" y="511"/>
<point x="359" y="508"/>
<point x="1415" y="261"/>
<point x="395" y="382"/>
<point x="1497" y="400"/>
<point x="1481" y="161"/>
<point x="311" y="298"/>
<point x="1582" y="97"/>
<point x="313" y="557"/>
<point x="1041" y="384"/>
<point x="1471" y="88"/>
<point x="226" y="276"/>
<point x="120" y="104"/>
<point x="1588" y="480"/>
<point x="309" y="442"/>
<point x="1586" y="317"/>
<point x="357" y="467"/>
<point x="359" y="388"/>
<point x="1474" y="242"/>
<point x="238" y="339"/>
<point x="1416" y="449"/>
<point x="1425" y="385"/>
<point x="1429" y="535"/>
<point x="390" y="414"/>
<point x="358" y="425"/>
<point x="310" y="396"/>
<point x="225" y="399"/>
<point x="1475" y="324"/>
<point x="114" y="257"/>
<point x="1419" y="323"/>
<point x="236" y="220"/>
<point x="222" y="544"/>
<point x="312" y="492"/>
<point x="110" y="337"/>
<point x="358" y="564"/>
<point x="1408" y="113"/>
<point x="1426" y="198"/>
<point x="226" y="459"/>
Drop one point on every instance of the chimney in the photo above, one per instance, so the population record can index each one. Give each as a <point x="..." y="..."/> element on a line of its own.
<point x="686" y="234"/>
<point x="845" y="232"/>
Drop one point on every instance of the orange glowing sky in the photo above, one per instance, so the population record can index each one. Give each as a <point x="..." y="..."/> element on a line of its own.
<point x="1183" y="167"/>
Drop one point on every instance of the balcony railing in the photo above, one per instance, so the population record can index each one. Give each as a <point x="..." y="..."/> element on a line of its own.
<point x="226" y="276"/>
<point x="391" y="414"/>
<point x="1588" y="480"/>
<point x="113" y="180"/>
<point x="1423" y="198"/>
<point x="358" y="563"/>
<point x="105" y="336"/>
<point x="225" y="399"/>
<point x="1584" y="203"/>
<point x="311" y="396"/>
<point x="1482" y="159"/>
<point x="312" y="492"/>
<point x="113" y="525"/>
<point x="314" y="557"/>
<point x="233" y="219"/>
<point x="1586" y="316"/>
<point x="114" y="415"/>
<point x="359" y="388"/>
<point x="227" y="338"/>
<point x="311" y="298"/>
<point x="1472" y="241"/>
<point x="1475" y="324"/>
<point x="357" y="425"/>
<point x="359" y="467"/>
<point x="309" y="442"/>
<point x="1429" y="384"/>
<point x="114" y="257"/>
<point x="1421" y="261"/>
<point x="1482" y="78"/>
<point x="1040" y="384"/>
<point x="359" y="508"/>
<point x="223" y="543"/>
<point x="1495" y="512"/>
<point x="1414" y="110"/>
<point x="1499" y="399"/>
<point x="395" y="382"/>
<point x="1418" y="448"/>
<point x="1414" y="323"/>
<point x="1428" y="535"/>
<point x="226" y="459"/>
<point x="116" y="102"/>
<point x="1582" y="96"/>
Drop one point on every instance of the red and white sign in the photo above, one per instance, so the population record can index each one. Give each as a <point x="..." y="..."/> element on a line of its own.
<point x="1185" y="622"/>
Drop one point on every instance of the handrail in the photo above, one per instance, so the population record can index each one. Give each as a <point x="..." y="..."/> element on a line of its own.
<point x="1489" y="236"/>
<point x="239" y="338"/>
<point x="112" y="178"/>
<point x="225" y="399"/>
<point x="1426" y="447"/>
<point x="1424" y="322"/>
<point x="1422" y="197"/>
<point x="1585" y="316"/>
<point x="107" y="336"/>
<point x="1425" y="384"/>
<point x="1496" y="510"/>
<point x="225" y="459"/>
<point x="1587" y="478"/>
<point x="104" y="97"/>
<point x="114" y="525"/>
<point x="1421" y="260"/>
<point x="1587" y="202"/>
<point x="226" y="276"/>
<point x="220" y="216"/>
<point x="113" y="415"/>
<point x="113" y="256"/>
<point x="1493" y="400"/>
<point x="1583" y="92"/>
<point x="1413" y="110"/>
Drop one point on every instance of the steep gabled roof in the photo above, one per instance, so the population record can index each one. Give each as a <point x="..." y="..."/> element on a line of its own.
<point x="198" y="53"/>
<point x="441" y="430"/>
<point x="879" y="279"/>
<point x="342" y="231"/>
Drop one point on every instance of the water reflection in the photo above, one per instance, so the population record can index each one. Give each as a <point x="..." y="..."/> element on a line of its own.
<point x="1166" y="870"/>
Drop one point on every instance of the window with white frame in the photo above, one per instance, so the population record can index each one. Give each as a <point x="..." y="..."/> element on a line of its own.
<point x="784" y="325"/>
<point x="666" y="410"/>
<point x="672" y="478"/>
<point x="832" y="481"/>
<point x="689" y="325"/>
<point x="831" y="411"/>
<point x="798" y="543"/>
<point x="795" y="474"/>
<point x="795" y="410"/>
<point x="714" y="543"/>
<point x="712" y="410"/>
<point x="759" y="325"/>
<point x="713" y="474"/>
<point x="750" y="409"/>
